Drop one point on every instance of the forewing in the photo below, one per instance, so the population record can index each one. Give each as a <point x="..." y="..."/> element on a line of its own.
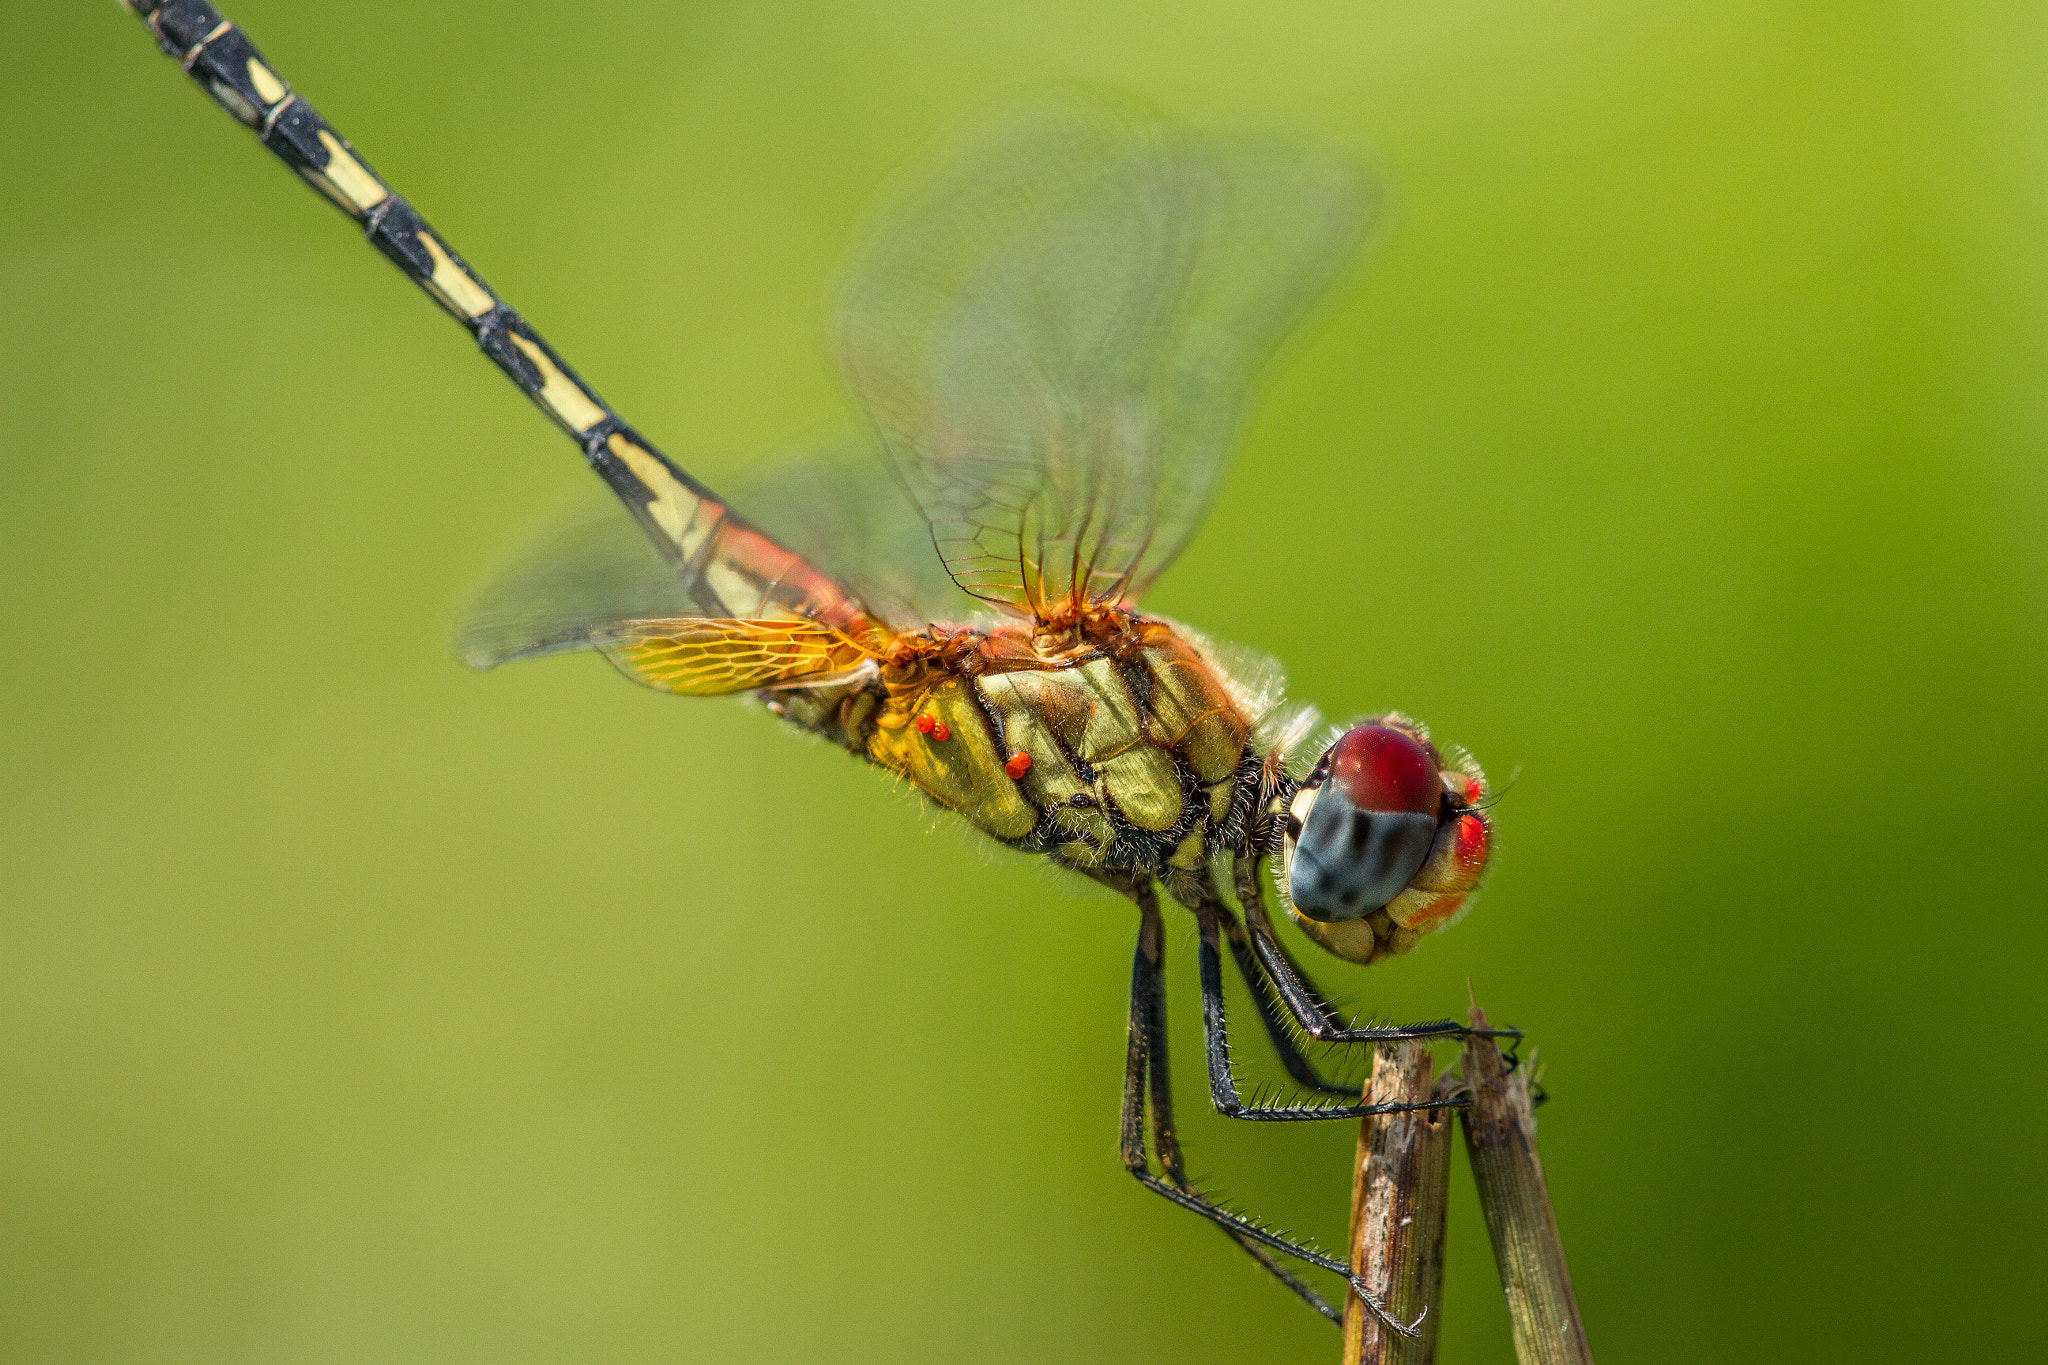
<point x="1053" y="346"/>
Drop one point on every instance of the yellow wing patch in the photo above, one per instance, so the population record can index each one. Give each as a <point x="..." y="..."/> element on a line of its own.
<point x="710" y="656"/>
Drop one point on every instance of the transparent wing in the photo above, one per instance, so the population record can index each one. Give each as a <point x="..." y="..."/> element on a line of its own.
<point x="1053" y="346"/>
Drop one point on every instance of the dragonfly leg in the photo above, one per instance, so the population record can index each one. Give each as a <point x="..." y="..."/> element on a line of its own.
<point x="1216" y="1037"/>
<point x="1310" y="1008"/>
<point x="1145" y="1074"/>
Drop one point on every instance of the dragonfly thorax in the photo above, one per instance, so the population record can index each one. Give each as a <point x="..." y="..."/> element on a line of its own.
<point x="1107" y="742"/>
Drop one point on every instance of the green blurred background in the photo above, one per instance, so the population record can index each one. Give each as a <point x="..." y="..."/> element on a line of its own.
<point x="1681" y="441"/>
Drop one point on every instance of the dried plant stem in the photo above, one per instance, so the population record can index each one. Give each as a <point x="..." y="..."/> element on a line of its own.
<point x="1500" y="1137"/>
<point x="1398" y="1191"/>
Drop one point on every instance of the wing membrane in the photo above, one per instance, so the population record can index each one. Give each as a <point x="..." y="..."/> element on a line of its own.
<point x="1053" y="346"/>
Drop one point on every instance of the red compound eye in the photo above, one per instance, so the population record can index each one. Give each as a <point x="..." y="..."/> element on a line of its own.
<point x="1384" y="769"/>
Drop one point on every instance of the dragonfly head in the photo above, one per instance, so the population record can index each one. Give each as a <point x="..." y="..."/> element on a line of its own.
<point x="1384" y="831"/>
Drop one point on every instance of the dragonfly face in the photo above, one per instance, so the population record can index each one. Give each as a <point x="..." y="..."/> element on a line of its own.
<point x="1382" y="831"/>
<point x="1049" y="353"/>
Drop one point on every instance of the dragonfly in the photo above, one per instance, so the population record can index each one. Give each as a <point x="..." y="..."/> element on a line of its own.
<point x="1049" y="351"/>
